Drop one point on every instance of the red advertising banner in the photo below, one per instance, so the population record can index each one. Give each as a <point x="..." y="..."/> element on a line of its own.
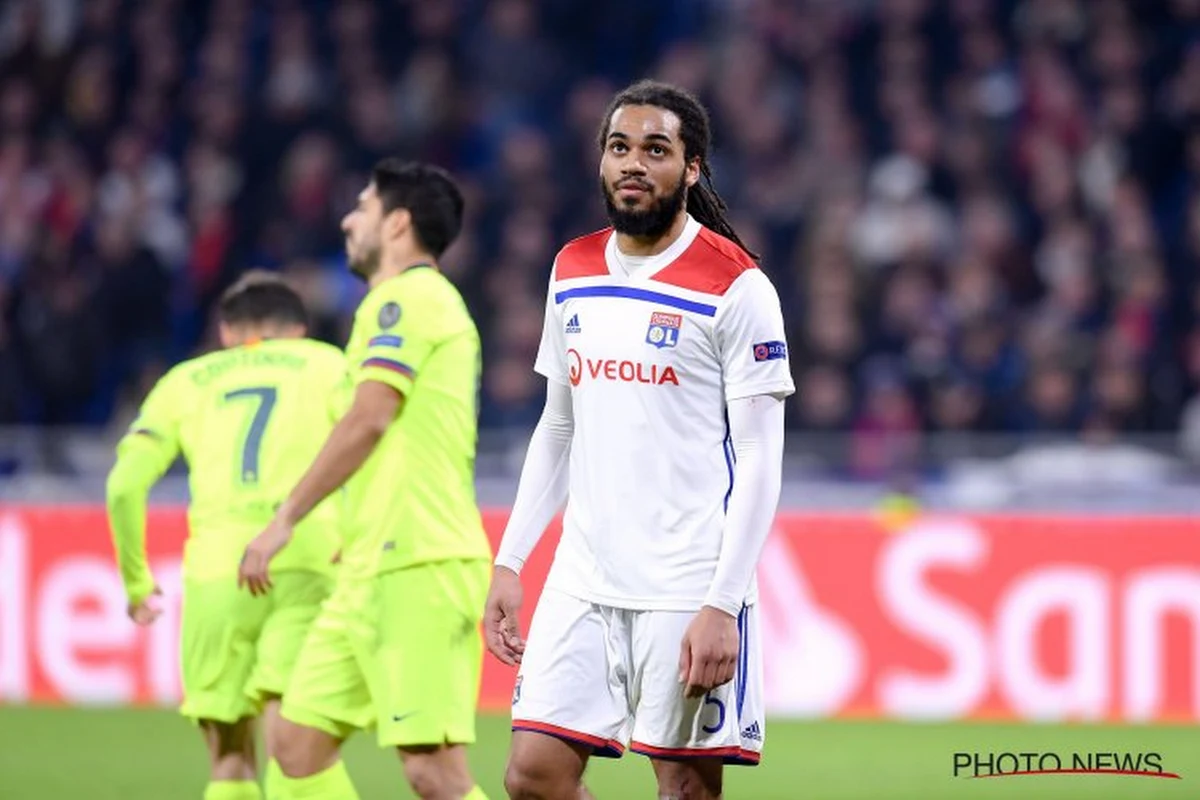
<point x="1031" y="617"/>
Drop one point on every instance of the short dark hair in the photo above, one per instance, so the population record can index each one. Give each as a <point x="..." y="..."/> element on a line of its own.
<point x="429" y="194"/>
<point x="259" y="297"/>
<point x="703" y="202"/>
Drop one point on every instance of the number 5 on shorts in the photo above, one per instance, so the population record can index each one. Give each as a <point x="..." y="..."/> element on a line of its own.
<point x="710" y="700"/>
<point x="265" y="397"/>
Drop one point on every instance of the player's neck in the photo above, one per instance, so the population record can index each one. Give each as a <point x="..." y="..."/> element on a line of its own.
<point x="398" y="265"/>
<point x="651" y="245"/>
<point x="257" y="334"/>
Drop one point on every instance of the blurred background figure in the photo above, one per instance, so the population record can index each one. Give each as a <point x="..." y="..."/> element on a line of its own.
<point x="998" y="199"/>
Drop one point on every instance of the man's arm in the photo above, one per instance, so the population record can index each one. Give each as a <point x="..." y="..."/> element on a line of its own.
<point x="752" y="346"/>
<point x="756" y="426"/>
<point x="144" y="453"/>
<point x="351" y="442"/>
<point x="542" y="489"/>
<point x="141" y="461"/>
<point x="709" y="651"/>
<point x="541" y="492"/>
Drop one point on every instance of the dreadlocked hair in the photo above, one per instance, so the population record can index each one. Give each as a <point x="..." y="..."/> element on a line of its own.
<point x="703" y="202"/>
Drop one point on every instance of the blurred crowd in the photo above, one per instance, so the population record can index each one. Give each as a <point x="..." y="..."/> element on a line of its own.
<point x="980" y="215"/>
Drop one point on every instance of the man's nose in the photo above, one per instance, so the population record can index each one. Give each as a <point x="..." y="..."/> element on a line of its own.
<point x="633" y="166"/>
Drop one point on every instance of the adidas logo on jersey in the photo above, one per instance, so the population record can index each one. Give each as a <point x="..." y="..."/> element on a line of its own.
<point x="752" y="732"/>
<point x="573" y="324"/>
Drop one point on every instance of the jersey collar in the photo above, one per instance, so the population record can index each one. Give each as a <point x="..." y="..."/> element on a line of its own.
<point x="617" y="262"/>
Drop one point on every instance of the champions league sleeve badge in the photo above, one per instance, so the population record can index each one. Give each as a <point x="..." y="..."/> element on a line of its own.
<point x="389" y="314"/>
<point x="769" y="351"/>
<point x="664" y="329"/>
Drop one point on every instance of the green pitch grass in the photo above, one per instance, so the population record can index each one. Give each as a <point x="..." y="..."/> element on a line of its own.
<point x="111" y="754"/>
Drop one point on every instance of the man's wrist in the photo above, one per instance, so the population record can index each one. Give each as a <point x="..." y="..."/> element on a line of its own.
<point x="287" y="514"/>
<point x="138" y="594"/>
<point x="510" y="562"/>
<point x="725" y="606"/>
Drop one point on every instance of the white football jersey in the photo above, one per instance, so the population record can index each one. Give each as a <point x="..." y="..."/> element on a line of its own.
<point x="652" y="356"/>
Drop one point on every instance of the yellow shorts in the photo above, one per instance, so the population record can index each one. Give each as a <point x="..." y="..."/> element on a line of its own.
<point x="236" y="649"/>
<point x="401" y="653"/>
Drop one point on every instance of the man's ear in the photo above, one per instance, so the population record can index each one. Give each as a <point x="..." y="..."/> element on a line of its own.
<point x="691" y="173"/>
<point x="396" y="223"/>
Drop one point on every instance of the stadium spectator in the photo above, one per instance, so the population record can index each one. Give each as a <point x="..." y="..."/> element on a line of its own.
<point x="1001" y="198"/>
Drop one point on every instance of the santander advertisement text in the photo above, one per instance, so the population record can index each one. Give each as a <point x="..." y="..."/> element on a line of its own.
<point x="1028" y="617"/>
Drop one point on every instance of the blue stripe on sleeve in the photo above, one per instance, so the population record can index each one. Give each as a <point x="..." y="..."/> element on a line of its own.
<point x="385" y="340"/>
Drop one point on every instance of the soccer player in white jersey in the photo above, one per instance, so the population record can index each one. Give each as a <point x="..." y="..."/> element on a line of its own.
<point x="667" y="370"/>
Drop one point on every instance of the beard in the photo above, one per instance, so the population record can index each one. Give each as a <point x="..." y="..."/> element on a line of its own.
<point x="648" y="223"/>
<point x="365" y="264"/>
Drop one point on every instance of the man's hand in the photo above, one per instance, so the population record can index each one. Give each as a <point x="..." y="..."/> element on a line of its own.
<point x="709" y="653"/>
<point x="147" y="610"/>
<point x="500" y="623"/>
<point x="253" y="572"/>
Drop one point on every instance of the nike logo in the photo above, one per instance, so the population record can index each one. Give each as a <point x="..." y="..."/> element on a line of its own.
<point x="402" y="717"/>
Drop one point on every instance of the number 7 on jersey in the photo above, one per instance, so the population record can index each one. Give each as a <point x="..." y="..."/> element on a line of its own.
<point x="265" y="397"/>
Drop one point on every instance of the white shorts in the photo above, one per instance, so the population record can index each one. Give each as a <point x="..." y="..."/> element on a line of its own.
<point x="609" y="678"/>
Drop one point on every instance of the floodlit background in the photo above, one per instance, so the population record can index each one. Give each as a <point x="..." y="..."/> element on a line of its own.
<point x="983" y="219"/>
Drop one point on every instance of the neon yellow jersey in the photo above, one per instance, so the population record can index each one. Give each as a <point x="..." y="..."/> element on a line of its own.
<point x="413" y="501"/>
<point x="249" y="421"/>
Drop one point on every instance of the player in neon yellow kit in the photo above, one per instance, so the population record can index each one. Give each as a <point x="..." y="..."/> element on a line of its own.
<point x="246" y="419"/>
<point x="397" y="647"/>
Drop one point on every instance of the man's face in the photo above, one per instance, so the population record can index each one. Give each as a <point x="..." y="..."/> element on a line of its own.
<point x="643" y="172"/>
<point x="363" y="228"/>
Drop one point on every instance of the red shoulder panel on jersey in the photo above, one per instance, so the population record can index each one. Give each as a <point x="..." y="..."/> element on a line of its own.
<point x="710" y="265"/>
<point x="583" y="257"/>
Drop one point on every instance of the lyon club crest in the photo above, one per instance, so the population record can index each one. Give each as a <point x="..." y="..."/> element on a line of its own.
<point x="664" y="329"/>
